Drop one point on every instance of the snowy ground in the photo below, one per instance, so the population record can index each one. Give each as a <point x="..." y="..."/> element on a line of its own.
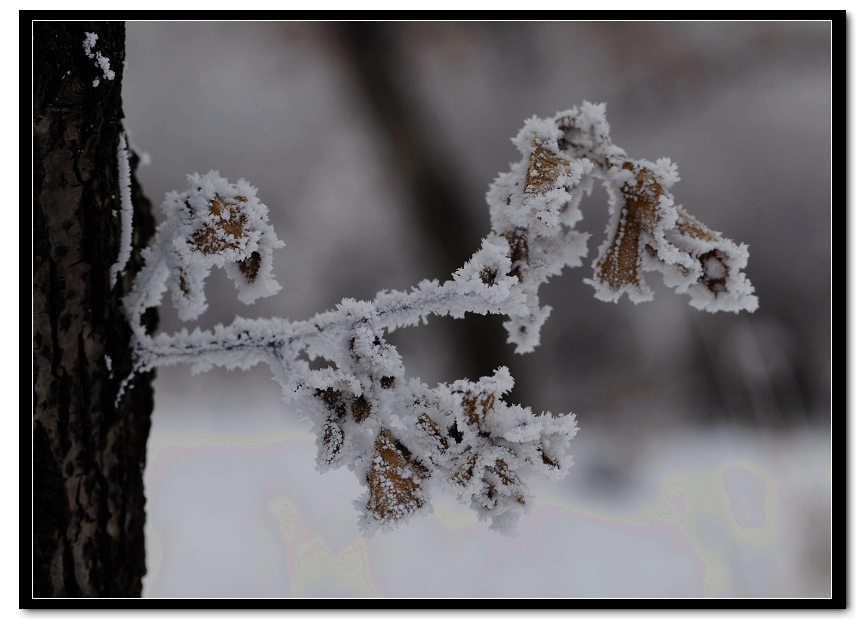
<point x="235" y="509"/>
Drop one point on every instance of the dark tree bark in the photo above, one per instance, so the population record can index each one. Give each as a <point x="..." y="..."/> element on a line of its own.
<point x="88" y="454"/>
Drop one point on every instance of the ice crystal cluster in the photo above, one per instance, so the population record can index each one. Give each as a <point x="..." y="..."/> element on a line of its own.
<point x="401" y="437"/>
<point x="98" y="58"/>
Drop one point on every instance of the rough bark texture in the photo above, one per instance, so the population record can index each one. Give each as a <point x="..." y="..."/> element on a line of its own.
<point x="88" y="455"/>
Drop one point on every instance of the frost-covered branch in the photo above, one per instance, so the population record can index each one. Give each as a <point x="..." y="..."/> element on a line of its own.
<point x="124" y="177"/>
<point x="400" y="436"/>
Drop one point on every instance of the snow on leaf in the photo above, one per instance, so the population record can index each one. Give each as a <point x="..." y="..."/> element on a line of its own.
<point x="212" y="223"/>
<point x="395" y="481"/>
<point x="648" y="231"/>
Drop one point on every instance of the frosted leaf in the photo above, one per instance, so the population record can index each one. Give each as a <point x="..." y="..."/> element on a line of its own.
<point x="531" y="208"/>
<point x="215" y="223"/>
<point x="719" y="282"/>
<point x="396" y="483"/>
<point x="648" y="231"/>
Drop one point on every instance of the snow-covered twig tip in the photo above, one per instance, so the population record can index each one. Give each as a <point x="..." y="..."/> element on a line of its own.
<point x="400" y="436"/>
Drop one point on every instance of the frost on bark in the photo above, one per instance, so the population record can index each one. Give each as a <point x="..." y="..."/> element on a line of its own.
<point x="88" y="454"/>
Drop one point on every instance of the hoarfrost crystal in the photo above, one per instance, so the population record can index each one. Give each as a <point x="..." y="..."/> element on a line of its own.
<point x="98" y="58"/>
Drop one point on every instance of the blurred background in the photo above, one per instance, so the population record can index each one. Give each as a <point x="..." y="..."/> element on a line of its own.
<point x="702" y="467"/>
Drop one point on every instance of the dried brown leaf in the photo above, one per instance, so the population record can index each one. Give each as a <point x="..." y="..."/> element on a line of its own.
<point x="394" y="479"/>
<point x="620" y="264"/>
<point x="543" y="171"/>
<point x="226" y="233"/>
<point x="250" y="266"/>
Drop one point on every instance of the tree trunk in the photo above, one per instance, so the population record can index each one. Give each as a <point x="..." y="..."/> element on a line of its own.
<point x="88" y="453"/>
